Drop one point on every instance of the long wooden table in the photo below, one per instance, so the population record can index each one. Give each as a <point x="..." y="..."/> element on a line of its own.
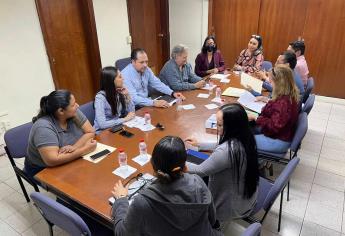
<point x="87" y="186"/>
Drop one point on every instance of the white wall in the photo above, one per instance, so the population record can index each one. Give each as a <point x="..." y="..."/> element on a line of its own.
<point x="112" y="30"/>
<point x="188" y="22"/>
<point x="24" y="69"/>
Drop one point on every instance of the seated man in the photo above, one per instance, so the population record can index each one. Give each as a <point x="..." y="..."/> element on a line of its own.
<point x="298" y="48"/>
<point x="288" y="59"/>
<point x="138" y="79"/>
<point x="178" y="74"/>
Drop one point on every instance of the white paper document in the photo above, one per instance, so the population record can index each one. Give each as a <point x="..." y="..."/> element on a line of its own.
<point x="100" y="147"/>
<point x="139" y="122"/>
<point x="142" y="159"/>
<point x="219" y="76"/>
<point x="254" y="83"/>
<point x="225" y="81"/>
<point x="203" y="95"/>
<point x="208" y="87"/>
<point x="248" y="100"/>
<point x="188" y="107"/>
<point x="217" y="100"/>
<point x="211" y="106"/>
<point x="233" y="92"/>
<point x="211" y="122"/>
<point x="124" y="171"/>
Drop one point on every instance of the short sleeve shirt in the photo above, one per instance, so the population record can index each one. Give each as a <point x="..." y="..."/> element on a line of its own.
<point x="46" y="131"/>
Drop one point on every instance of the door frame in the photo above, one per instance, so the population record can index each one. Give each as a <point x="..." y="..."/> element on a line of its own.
<point x="90" y="29"/>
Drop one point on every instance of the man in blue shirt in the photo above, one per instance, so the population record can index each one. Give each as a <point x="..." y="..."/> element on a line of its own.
<point x="139" y="79"/>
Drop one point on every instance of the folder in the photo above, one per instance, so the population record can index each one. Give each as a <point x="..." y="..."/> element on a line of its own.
<point x="254" y="83"/>
<point x="196" y="157"/>
<point x="233" y="92"/>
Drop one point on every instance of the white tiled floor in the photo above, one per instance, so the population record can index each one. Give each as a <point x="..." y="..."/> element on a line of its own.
<point x="316" y="205"/>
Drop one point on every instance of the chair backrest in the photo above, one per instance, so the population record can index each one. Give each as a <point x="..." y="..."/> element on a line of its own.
<point x="253" y="230"/>
<point x="310" y="87"/>
<point x="17" y="140"/>
<point x="308" y="105"/>
<point x="122" y="63"/>
<point x="88" y="110"/>
<point x="301" y="130"/>
<point x="60" y="215"/>
<point x="280" y="183"/>
<point x="266" y="65"/>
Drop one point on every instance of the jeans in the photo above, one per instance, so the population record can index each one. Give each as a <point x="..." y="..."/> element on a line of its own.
<point x="267" y="144"/>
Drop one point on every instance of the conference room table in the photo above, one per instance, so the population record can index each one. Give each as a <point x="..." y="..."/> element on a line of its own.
<point x="87" y="186"/>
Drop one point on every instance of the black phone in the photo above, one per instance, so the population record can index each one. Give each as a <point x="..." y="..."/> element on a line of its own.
<point x="116" y="128"/>
<point x="100" y="154"/>
<point x="126" y="134"/>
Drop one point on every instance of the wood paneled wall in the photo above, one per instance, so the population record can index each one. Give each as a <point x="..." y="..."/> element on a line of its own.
<point x="320" y="22"/>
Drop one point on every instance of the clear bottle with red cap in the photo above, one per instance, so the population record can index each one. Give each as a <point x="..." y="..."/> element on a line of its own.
<point x="142" y="149"/>
<point x="122" y="158"/>
<point x="218" y="92"/>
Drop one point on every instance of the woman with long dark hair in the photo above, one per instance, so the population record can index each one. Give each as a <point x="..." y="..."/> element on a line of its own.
<point x="113" y="104"/>
<point x="210" y="60"/>
<point x="176" y="203"/>
<point x="232" y="167"/>
<point x="61" y="133"/>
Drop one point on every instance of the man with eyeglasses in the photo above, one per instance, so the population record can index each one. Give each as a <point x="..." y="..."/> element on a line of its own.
<point x="139" y="79"/>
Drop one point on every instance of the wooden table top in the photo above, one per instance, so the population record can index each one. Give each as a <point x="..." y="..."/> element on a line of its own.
<point x="90" y="184"/>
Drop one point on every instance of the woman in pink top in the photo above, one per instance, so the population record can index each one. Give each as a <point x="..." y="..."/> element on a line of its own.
<point x="298" y="48"/>
<point x="250" y="59"/>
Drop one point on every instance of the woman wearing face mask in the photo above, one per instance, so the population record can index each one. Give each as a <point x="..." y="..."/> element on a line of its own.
<point x="113" y="104"/>
<point x="210" y="60"/>
<point x="250" y="59"/>
<point x="233" y="165"/>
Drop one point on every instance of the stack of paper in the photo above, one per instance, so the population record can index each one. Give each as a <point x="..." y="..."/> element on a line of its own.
<point x="254" y="83"/>
<point x="219" y="76"/>
<point x="233" y="92"/>
<point x="248" y="100"/>
<point x="139" y="122"/>
<point x="209" y="87"/>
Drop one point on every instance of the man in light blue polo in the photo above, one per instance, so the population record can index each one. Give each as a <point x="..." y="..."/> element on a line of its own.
<point x="139" y="78"/>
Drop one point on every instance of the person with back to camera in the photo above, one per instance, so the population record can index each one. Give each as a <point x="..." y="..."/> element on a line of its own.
<point x="233" y="165"/>
<point x="210" y="60"/>
<point x="250" y="59"/>
<point x="176" y="203"/>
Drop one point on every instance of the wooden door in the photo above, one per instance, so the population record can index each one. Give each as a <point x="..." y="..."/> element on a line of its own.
<point x="233" y="22"/>
<point x="70" y="37"/>
<point x="149" y="29"/>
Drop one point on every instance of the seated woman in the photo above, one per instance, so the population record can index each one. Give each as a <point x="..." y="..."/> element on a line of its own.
<point x="113" y="104"/>
<point x="178" y="74"/>
<point x="61" y="133"/>
<point x="232" y="167"/>
<point x="250" y="59"/>
<point x="176" y="203"/>
<point x="277" y="122"/>
<point x="210" y="60"/>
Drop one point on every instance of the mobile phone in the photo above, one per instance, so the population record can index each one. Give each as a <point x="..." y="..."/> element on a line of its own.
<point x="116" y="128"/>
<point x="126" y="134"/>
<point x="100" y="154"/>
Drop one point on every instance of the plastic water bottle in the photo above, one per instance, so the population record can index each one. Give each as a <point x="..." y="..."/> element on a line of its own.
<point x="179" y="106"/>
<point x="122" y="158"/>
<point x="218" y="92"/>
<point x="147" y="118"/>
<point x="143" y="150"/>
<point x="210" y="84"/>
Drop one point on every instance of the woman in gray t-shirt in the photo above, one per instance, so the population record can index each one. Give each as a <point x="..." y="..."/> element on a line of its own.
<point x="61" y="133"/>
<point x="232" y="167"/>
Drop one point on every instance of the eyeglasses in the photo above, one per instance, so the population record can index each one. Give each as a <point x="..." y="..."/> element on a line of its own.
<point x="256" y="36"/>
<point x="136" y="183"/>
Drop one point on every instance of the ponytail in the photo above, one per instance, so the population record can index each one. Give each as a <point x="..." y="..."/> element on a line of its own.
<point x="51" y="103"/>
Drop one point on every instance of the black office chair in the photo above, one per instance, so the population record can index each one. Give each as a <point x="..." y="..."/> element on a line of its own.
<point x="122" y="63"/>
<point x="309" y="89"/>
<point x="16" y="140"/>
<point x="88" y="110"/>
